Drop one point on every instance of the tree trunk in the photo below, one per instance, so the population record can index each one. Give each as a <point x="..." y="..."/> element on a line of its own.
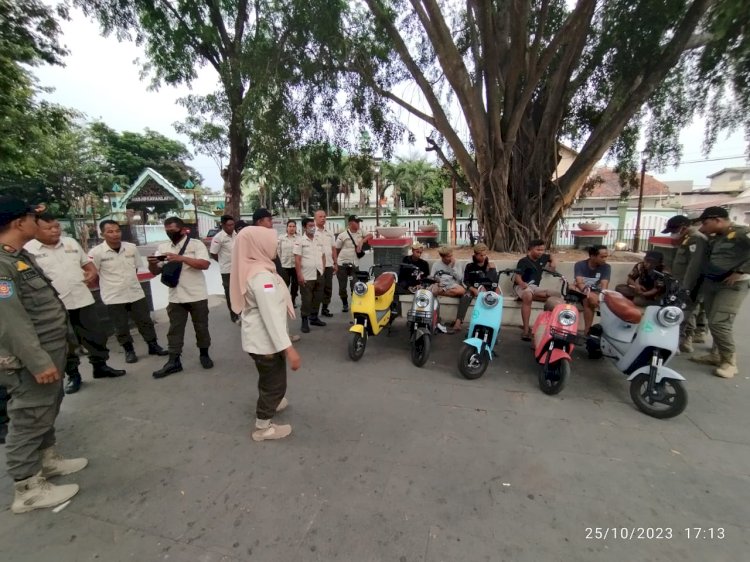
<point x="238" y="151"/>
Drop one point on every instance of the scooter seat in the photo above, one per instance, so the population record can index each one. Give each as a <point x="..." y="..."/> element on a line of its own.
<point x="383" y="283"/>
<point x="622" y="307"/>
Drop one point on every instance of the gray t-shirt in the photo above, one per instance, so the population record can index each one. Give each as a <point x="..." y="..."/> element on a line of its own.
<point x="592" y="275"/>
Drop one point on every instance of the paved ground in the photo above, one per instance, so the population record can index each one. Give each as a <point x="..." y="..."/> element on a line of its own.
<point x="393" y="463"/>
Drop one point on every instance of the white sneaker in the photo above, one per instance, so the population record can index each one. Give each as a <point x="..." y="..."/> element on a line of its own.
<point x="273" y="431"/>
<point x="36" y="493"/>
<point x="282" y="405"/>
<point x="54" y="464"/>
<point x="442" y="328"/>
<point x="295" y="338"/>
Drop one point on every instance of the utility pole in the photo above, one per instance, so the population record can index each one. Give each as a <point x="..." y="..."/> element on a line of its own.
<point x="637" y="237"/>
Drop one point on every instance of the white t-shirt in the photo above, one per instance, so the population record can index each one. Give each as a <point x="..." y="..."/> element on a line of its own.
<point x="192" y="285"/>
<point x="221" y="245"/>
<point x="118" y="273"/>
<point x="63" y="264"/>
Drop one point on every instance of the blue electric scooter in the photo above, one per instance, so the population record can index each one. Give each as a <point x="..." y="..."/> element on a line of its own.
<point x="476" y="352"/>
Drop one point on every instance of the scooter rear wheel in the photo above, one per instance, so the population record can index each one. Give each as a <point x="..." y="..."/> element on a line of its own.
<point x="357" y="345"/>
<point x="420" y="350"/>
<point x="554" y="377"/>
<point x="471" y="363"/>
<point x="669" y="401"/>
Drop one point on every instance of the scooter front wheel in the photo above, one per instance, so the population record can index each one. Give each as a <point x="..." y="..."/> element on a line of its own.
<point x="357" y="345"/>
<point x="554" y="376"/>
<point x="420" y="350"/>
<point x="669" y="400"/>
<point x="472" y="363"/>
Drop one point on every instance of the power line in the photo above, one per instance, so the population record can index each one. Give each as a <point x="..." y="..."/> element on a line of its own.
<point x="711" y="159"/>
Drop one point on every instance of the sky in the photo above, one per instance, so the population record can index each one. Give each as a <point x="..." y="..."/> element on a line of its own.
<point x="102" y="80"/>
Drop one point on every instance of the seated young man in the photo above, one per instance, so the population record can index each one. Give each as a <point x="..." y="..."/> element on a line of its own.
<point x="408" y="278"/>
<point x="526" y="283"/>
<point x="643" y="287"/>
<point x="589" y="273"/>
<point x="480" y="267"/>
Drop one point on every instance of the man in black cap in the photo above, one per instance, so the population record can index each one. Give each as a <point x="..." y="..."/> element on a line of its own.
<point x="349" y="246"/>
<point x="690" y="257"/>
<point x="725" y="286"/>
<point x="34" y="332"/>
<point x="263" y="217"/>
<point x="643" y="287"/>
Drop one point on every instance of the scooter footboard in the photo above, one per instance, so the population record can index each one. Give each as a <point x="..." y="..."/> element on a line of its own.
<point x="662" y="372"/>
<point x="477" y="344"/>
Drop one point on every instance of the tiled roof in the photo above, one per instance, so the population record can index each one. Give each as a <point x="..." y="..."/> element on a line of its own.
<point x="610" y="186"/>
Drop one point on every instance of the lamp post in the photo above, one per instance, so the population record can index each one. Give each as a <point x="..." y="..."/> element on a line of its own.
<point x="637" y="236"/>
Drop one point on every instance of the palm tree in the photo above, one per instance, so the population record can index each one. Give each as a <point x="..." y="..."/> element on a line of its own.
<point x="419" y="174"/>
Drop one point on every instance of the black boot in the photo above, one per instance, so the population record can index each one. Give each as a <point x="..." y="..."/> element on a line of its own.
<point x="130" y="356"/>
<point x="325" y="312"/>
<point x="305" y="326"/>
<point x="206" y="362"/>
<point x="74" y="381"/>
<point x="315" y="321"/>
<point x="155" y="349"/>
<point x="345" y="307"/>
<point x="174" y="365"/>
<point x="3" y="432"/>
<point x="104" y="371"/>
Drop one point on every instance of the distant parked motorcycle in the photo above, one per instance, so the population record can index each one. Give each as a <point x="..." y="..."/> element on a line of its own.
<point x="555" y="332"/>
<point x="476" y="352"/>
<point x="642" y="343"/>
<point x="374" y="307"/>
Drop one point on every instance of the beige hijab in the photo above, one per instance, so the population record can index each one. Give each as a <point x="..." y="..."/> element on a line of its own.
<point x="254" y="251"/>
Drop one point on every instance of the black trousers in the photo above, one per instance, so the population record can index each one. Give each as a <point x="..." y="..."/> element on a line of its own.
<point x="289" y="275"/>
<point x="225" y="283"/>
<point x="312" y="294"/>
<point x="346" y="275"/>
<point x="120" y="315"/>
<point x="89" y="331"/>
<point x="271" y="383"/>
<point x="178" y="316"/>
<point x="327" y="286"/>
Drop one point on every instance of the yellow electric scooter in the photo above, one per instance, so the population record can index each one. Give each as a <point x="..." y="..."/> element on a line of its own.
<point x="374" y="308"/>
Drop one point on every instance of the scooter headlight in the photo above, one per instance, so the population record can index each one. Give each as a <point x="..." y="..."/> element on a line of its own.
<point x="422" y="300"/>
<point x="360" y="289"/>
<point x="491" y="299"/>
<point x="669" y="316"/>
<point x="567" y="318"/>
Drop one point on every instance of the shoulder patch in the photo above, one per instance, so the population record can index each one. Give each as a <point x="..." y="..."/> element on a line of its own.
<point x="22" y="266"/>
<point x="731" y="235"/>
<point x="693" y="247"/>
<point x="6" y="289"/>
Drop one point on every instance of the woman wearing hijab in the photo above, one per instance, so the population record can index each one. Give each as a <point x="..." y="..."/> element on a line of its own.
<point x="262" y="300"/>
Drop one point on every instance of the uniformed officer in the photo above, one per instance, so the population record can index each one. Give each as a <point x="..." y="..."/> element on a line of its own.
<point x="221" y="251"/>
<point x="121" y="291"/>
<point x="726" y="284"/>
<point x="690" y="258"/>
<point x="330" y="255"/>
<point x="189" y="297"/>
<point x="33" y="345"/>
<point x="65" y="263"/>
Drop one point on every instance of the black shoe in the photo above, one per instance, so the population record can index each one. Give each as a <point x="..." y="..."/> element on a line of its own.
<point x="315" y="321"/>
<point x="155" y="349"/>
<point x="206" y="362"/>
<point x="131" y="357"/>
<point x="345" y="308"/>
<point x="104" y="371"/>
<point x="305" y="326"/>
<point x="3" y="432"/>
<point x="74" y="383"/>
<point x="327" y="313"/>
<point x="174" y="365"/>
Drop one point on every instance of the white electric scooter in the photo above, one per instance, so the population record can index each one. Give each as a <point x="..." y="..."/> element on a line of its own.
<point x="641" y="343"/>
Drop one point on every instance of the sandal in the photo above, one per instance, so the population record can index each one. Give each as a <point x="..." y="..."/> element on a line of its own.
<point x="526" y="336"/>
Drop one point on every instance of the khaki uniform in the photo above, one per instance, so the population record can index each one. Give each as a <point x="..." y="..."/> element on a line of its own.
<point x="312" y="271"/>
<point x="221" y="246"/>
<point x="346" y="244"/>
<point x="33" y="337"/>
<point x="690" y="259"/>
<point x="729" y="253"/>
<point x="326" y="241"/>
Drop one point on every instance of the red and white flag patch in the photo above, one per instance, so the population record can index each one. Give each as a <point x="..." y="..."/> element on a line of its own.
<point x="268" y="288"/>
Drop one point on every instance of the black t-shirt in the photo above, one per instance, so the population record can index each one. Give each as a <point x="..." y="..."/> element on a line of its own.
<point x="474" y="272"/>
<point x="530" y="270"/>
<point x="408" y="277"/>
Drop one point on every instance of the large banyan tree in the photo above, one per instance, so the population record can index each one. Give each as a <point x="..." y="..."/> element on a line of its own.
<point x="502" y="83"/>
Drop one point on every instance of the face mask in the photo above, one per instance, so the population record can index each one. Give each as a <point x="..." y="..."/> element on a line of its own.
<point x="175" y="236"/>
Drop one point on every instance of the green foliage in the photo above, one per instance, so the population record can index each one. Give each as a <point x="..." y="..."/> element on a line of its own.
<point x="128" y="153"/>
